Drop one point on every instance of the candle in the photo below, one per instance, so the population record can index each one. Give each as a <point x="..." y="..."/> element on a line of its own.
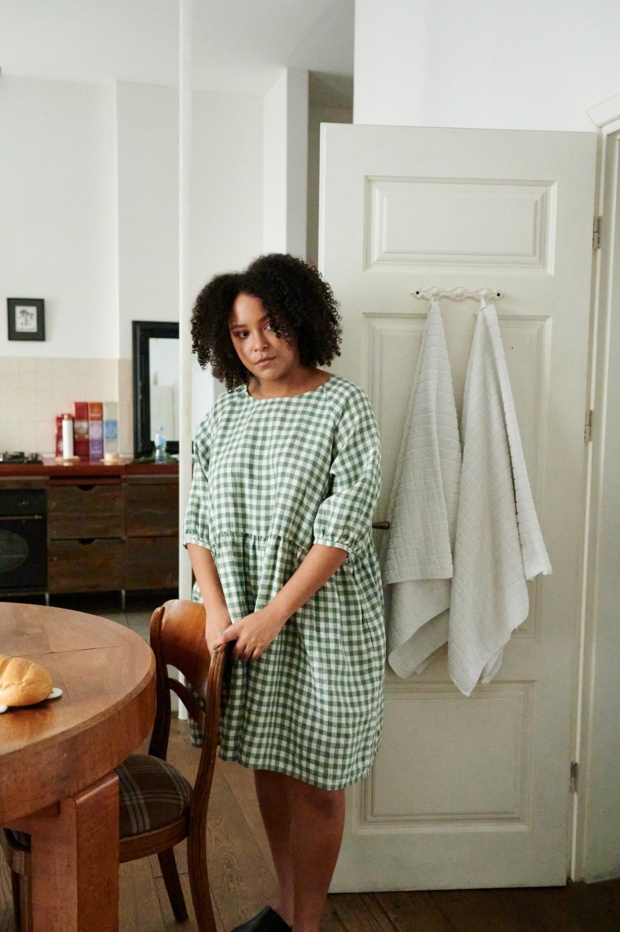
<point x="67" y="436"/>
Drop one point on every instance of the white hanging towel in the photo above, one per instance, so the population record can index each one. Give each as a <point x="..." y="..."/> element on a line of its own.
<point x="417" y="558"/>
<point x="499" y="544"/>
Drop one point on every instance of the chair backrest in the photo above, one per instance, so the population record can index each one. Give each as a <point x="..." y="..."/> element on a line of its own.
<point x="178" y="640"/>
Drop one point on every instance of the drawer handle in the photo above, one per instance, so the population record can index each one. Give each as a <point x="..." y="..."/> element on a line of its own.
<point x="86" y="488"/>
<point x="85" y="541"/>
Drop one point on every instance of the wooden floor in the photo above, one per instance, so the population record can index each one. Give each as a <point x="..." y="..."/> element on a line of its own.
<point x="242" y="880"/>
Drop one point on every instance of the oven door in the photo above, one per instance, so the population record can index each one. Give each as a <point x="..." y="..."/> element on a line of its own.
<point x="23" y="541"/>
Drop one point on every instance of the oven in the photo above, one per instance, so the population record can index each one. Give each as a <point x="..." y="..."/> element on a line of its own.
<point x="23" y="540"/>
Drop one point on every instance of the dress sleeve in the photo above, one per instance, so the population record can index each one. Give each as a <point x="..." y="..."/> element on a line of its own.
<point x="344" y="518"/>
<point x="196" y="530"/>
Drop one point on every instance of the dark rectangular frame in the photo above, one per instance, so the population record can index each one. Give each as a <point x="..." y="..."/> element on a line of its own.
<point x="38" y="305"/>
<point x="142" y="331"/>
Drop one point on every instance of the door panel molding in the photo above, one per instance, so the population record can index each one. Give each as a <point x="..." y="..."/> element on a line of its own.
<point x="413" y="222"/>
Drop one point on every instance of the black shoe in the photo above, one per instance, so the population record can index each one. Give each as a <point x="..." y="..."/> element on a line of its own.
<point x="266" y="921"/>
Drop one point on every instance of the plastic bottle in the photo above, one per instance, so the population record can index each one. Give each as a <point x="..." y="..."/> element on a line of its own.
<point x="160" y="446"/>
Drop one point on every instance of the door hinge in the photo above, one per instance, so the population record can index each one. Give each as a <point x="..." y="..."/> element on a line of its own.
<point x="587" y="431"/>
<point x="596" y="233"/>
<point x="574" y="776"/>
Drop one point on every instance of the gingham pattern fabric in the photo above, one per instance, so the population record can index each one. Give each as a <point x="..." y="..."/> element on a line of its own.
<point x="271" y="478"/>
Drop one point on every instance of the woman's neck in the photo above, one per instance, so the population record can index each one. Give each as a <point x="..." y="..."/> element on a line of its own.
<point x="297" y="383"/>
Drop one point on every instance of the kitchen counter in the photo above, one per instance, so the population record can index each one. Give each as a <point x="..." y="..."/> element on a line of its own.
<point x="86" y="526"/>
<point x="51" y="468"/>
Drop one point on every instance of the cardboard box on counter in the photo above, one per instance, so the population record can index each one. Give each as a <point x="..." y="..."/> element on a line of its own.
<point x="95" y="430"/>
<point x="80" y="430"/>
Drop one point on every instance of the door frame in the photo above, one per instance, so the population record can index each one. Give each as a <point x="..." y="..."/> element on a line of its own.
<point x="599" y="647"/>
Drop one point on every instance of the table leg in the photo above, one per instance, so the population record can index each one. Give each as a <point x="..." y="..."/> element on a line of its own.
<point x="75" y="863"/>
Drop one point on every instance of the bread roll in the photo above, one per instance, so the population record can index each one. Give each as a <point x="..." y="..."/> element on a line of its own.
<point x="23" y="682"/>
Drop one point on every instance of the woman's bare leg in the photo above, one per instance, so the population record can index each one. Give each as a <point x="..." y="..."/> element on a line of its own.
<point x="304" y="826"/>
<point x="317" y="822"/>
<point x="273" y="802"/>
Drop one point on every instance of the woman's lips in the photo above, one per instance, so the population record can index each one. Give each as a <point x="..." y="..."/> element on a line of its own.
<point x="265" y="361"/>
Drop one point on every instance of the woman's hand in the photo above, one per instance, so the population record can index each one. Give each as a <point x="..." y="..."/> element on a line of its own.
<point x="217" y="622"/>
<point x="253" y="634"/>
<point x="256" y="631"/>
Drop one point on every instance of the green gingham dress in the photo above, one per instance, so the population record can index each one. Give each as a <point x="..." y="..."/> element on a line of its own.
<point x="272" y="477"/>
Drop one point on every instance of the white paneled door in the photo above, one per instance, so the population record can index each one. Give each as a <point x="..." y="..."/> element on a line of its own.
<point x="472" y="792"/>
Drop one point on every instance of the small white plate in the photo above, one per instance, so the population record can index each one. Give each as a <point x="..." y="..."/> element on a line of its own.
<point x="55" y="693"/>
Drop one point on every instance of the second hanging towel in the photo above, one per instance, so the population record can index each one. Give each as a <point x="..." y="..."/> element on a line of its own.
<point x="499" y="545"/>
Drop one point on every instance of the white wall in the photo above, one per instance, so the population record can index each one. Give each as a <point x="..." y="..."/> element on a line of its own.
<point x="227" y="202"/>
<point x="89" y="222"/>
<point x="227" y="184"/>
<point x="285" y="157"/>
<point x="148" y="206"/>
<point x="537" y="64"/>
<point x="317" y="114"/>
<point x="58" y="214"/>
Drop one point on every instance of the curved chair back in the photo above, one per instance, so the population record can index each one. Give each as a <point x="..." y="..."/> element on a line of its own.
<point x="178" y="639"/>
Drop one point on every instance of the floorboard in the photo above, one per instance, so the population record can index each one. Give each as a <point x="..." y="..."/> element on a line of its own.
<point x="362" y="911"/>
<point x="414" y="912"/>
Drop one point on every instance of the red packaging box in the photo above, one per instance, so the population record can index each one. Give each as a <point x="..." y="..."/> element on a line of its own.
<point x="80" y="430"/>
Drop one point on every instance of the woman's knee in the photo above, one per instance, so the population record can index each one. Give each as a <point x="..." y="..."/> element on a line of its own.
<point x="322" y="803"/>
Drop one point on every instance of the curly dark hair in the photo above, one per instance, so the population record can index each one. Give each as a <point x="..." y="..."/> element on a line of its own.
<point x="299" y="302"/>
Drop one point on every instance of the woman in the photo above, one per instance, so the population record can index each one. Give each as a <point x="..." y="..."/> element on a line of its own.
<point x="278" y="528"/>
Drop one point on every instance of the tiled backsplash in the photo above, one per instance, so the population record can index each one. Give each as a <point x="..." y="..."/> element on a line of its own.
<point x="34" y="390"/>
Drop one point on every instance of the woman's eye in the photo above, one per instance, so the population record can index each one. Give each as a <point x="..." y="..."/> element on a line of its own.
<point x="240" y="334"/>
<point x="269" y="325"/>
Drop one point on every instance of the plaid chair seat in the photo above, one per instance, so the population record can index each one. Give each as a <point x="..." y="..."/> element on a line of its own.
<point x="152" y="794"/>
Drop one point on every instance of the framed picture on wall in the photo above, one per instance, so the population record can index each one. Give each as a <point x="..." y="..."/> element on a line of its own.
<point x="26" y="318"/>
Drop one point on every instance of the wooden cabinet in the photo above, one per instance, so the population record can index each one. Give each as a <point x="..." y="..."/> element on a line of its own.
<point x="86" y="535"/>
<point x="85" y="565"/>
<point x="152" y="529"/>
<point x="93" y="508"/>
<point x="110" y="533"/>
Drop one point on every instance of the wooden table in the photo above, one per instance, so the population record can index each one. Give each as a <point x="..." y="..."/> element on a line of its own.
<point x="57" y="758"/>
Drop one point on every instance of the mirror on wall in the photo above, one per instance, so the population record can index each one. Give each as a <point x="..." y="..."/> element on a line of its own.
<point x="155" y="384"/>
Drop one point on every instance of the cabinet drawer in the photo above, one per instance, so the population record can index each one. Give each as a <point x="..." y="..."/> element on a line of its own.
<point x="85" y="510"/>
<point x="152" y="508"/>
<point x="85" y="565"/>
<point x="152" y="563"/>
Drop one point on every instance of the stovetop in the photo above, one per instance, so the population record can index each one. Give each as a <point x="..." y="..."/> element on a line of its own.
<point x="20" y="457"/>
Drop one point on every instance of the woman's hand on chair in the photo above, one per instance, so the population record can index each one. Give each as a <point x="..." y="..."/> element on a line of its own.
<point x="217" y="623"/>
<point x="253" y="634"/>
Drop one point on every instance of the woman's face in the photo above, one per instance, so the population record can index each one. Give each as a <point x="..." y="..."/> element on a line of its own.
<point x="266" y="355"/>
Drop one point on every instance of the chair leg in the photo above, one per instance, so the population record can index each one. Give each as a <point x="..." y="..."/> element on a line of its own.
<point x="199" y="880"/>
<point x="22" y="906"/>
<point x="17" y="903"/>
<point x="170" y="874"/>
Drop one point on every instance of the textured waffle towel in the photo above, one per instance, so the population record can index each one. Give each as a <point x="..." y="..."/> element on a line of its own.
<point x="499" y="544"/>
<point x="417" y="558"/>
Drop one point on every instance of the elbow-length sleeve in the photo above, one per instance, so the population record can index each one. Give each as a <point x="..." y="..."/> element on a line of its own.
<point x="344" y="518"/>
<point x="196" y="529"/>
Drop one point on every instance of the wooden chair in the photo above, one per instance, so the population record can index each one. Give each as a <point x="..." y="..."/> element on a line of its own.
<point x="158" y="807"/>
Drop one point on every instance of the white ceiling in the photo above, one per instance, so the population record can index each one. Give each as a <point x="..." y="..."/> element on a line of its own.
<point x="239" y="46"/>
